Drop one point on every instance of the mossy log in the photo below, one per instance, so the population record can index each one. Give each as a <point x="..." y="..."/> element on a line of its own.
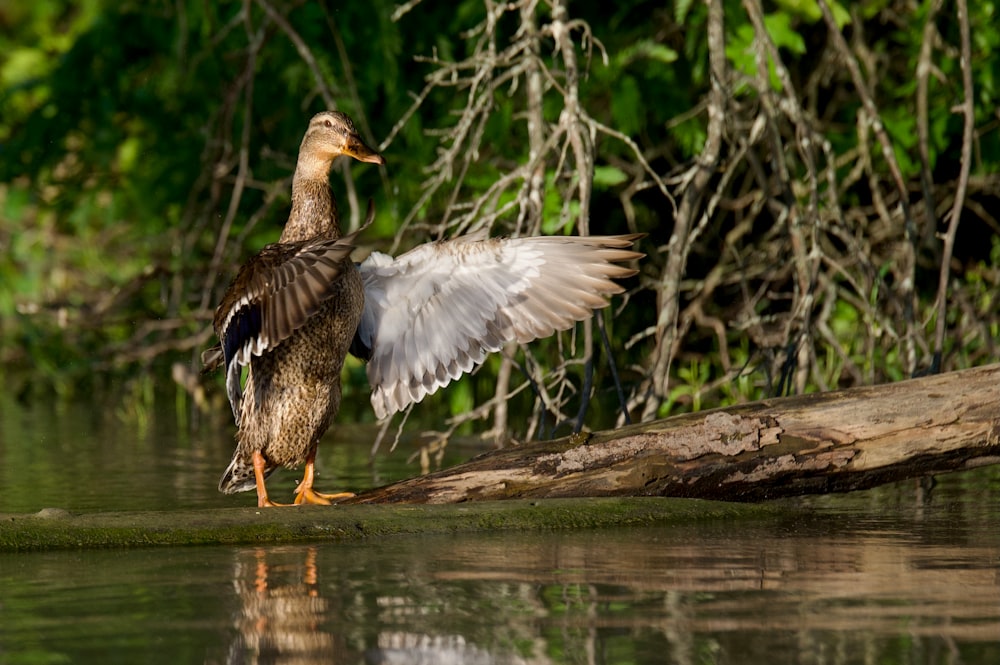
<point x="54" y="529"/>
<point x="828" y="442"/>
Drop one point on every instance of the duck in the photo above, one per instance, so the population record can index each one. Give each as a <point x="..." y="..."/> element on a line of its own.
<point x="289" y="317"/>
<point x="419" y="320"/>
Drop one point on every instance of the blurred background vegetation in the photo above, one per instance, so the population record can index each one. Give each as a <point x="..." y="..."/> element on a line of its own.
<point x="818" y="182"/>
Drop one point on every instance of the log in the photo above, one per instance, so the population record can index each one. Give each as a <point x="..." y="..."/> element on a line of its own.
<point x="818" y="443"/>
<point x="829" y="442"/>
<point x="56" y="529"/>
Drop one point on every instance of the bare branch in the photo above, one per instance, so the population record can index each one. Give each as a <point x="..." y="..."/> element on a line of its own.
<point x="968" y="128"/>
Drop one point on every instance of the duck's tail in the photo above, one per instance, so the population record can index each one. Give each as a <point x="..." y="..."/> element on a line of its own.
<point x="239" y="477"/>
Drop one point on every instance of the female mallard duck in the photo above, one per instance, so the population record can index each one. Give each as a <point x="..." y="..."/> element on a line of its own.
<point x="290" y="315"/>
<point x="420" y="320"/>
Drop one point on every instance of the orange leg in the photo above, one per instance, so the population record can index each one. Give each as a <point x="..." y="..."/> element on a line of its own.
<point x="305" y="492"/>
<point x="258" y="472"/>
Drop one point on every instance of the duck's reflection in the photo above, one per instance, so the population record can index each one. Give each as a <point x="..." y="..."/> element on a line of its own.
<point x="282" y="616"/>
<point x="282" y="613"/>
<point x="674" y="592"/>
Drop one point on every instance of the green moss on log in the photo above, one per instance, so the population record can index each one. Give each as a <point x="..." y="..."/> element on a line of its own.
<point x="57" y="529"/>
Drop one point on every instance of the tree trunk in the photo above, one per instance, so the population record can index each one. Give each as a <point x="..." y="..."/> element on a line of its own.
<point x="830" y="442"/>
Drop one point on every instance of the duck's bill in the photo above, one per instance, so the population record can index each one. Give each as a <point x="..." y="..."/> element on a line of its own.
<point x="361" y="152"/>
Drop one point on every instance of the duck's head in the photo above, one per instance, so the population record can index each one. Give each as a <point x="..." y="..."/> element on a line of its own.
<point x="332" y="134"/>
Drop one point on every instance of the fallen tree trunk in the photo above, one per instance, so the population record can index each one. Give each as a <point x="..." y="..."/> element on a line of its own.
<point x="829" y="442"/>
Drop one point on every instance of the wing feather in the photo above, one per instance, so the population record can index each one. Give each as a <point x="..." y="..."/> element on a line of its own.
<point x="273" y="295"/>
<point x="434" y="312"/>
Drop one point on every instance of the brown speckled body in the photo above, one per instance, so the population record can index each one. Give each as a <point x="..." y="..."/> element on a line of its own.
<point x="292" y="390"/>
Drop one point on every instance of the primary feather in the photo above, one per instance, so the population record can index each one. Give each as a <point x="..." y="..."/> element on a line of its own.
<point x="433" y="313"/>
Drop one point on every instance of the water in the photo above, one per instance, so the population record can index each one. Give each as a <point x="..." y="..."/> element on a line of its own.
<point x="89" y="457"/>
<point x="899" y="574"/>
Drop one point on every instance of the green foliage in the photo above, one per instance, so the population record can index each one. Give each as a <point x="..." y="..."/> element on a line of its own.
<point x="146" y="150"/>
<point x="783" y="31"/>
<point x="691" y="382"/>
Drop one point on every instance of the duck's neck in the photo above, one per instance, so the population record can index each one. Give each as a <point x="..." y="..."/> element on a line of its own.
<point x="314" y="210"/>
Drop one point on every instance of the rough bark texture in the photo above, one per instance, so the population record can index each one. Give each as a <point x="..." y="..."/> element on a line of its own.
<point x="829" y="442"/>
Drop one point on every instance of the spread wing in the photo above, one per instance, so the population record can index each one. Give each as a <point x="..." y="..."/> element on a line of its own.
<point x="273" y="295"/>
<point x="433" y="313"/>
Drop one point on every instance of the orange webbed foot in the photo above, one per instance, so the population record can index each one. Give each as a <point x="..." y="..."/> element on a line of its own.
<point x="305" y="492"/>
<point x="305" y="495"/>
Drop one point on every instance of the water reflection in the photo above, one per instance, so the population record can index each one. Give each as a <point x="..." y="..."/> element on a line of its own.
<point x="823" y="586"/>
<point x="413" y="649"/>
<point x="281" y="610"/>
<point x="826" y="588"/>
<point x="896" y="575"/>
<point x="283" y="617"/>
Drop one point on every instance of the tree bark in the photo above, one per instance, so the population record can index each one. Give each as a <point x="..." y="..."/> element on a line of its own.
<point x="829" y="442"/>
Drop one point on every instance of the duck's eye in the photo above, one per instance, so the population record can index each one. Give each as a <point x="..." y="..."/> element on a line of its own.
<point x="328" y="123"/>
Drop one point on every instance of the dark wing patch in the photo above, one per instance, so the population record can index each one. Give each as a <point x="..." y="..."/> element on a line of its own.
<point x="359" y="349"/>
<point x="274" y="295"/>
<point x="245" y="324"/>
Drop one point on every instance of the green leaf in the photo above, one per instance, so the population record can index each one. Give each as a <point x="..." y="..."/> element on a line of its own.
<point x="810" y="12"/>
<point x="681" y="10"/>
<point x="784" y="33"/>
<point x="606" y="177"/>
<point x="645" y="49"/>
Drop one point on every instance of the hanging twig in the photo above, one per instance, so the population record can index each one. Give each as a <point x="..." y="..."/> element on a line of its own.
<point x="669" y="288"/>
<point x="968" y="111"/>
<point x="875" y="120"/>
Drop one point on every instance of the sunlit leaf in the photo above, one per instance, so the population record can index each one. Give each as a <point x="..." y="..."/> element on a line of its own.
<point x="608" y="176"/>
